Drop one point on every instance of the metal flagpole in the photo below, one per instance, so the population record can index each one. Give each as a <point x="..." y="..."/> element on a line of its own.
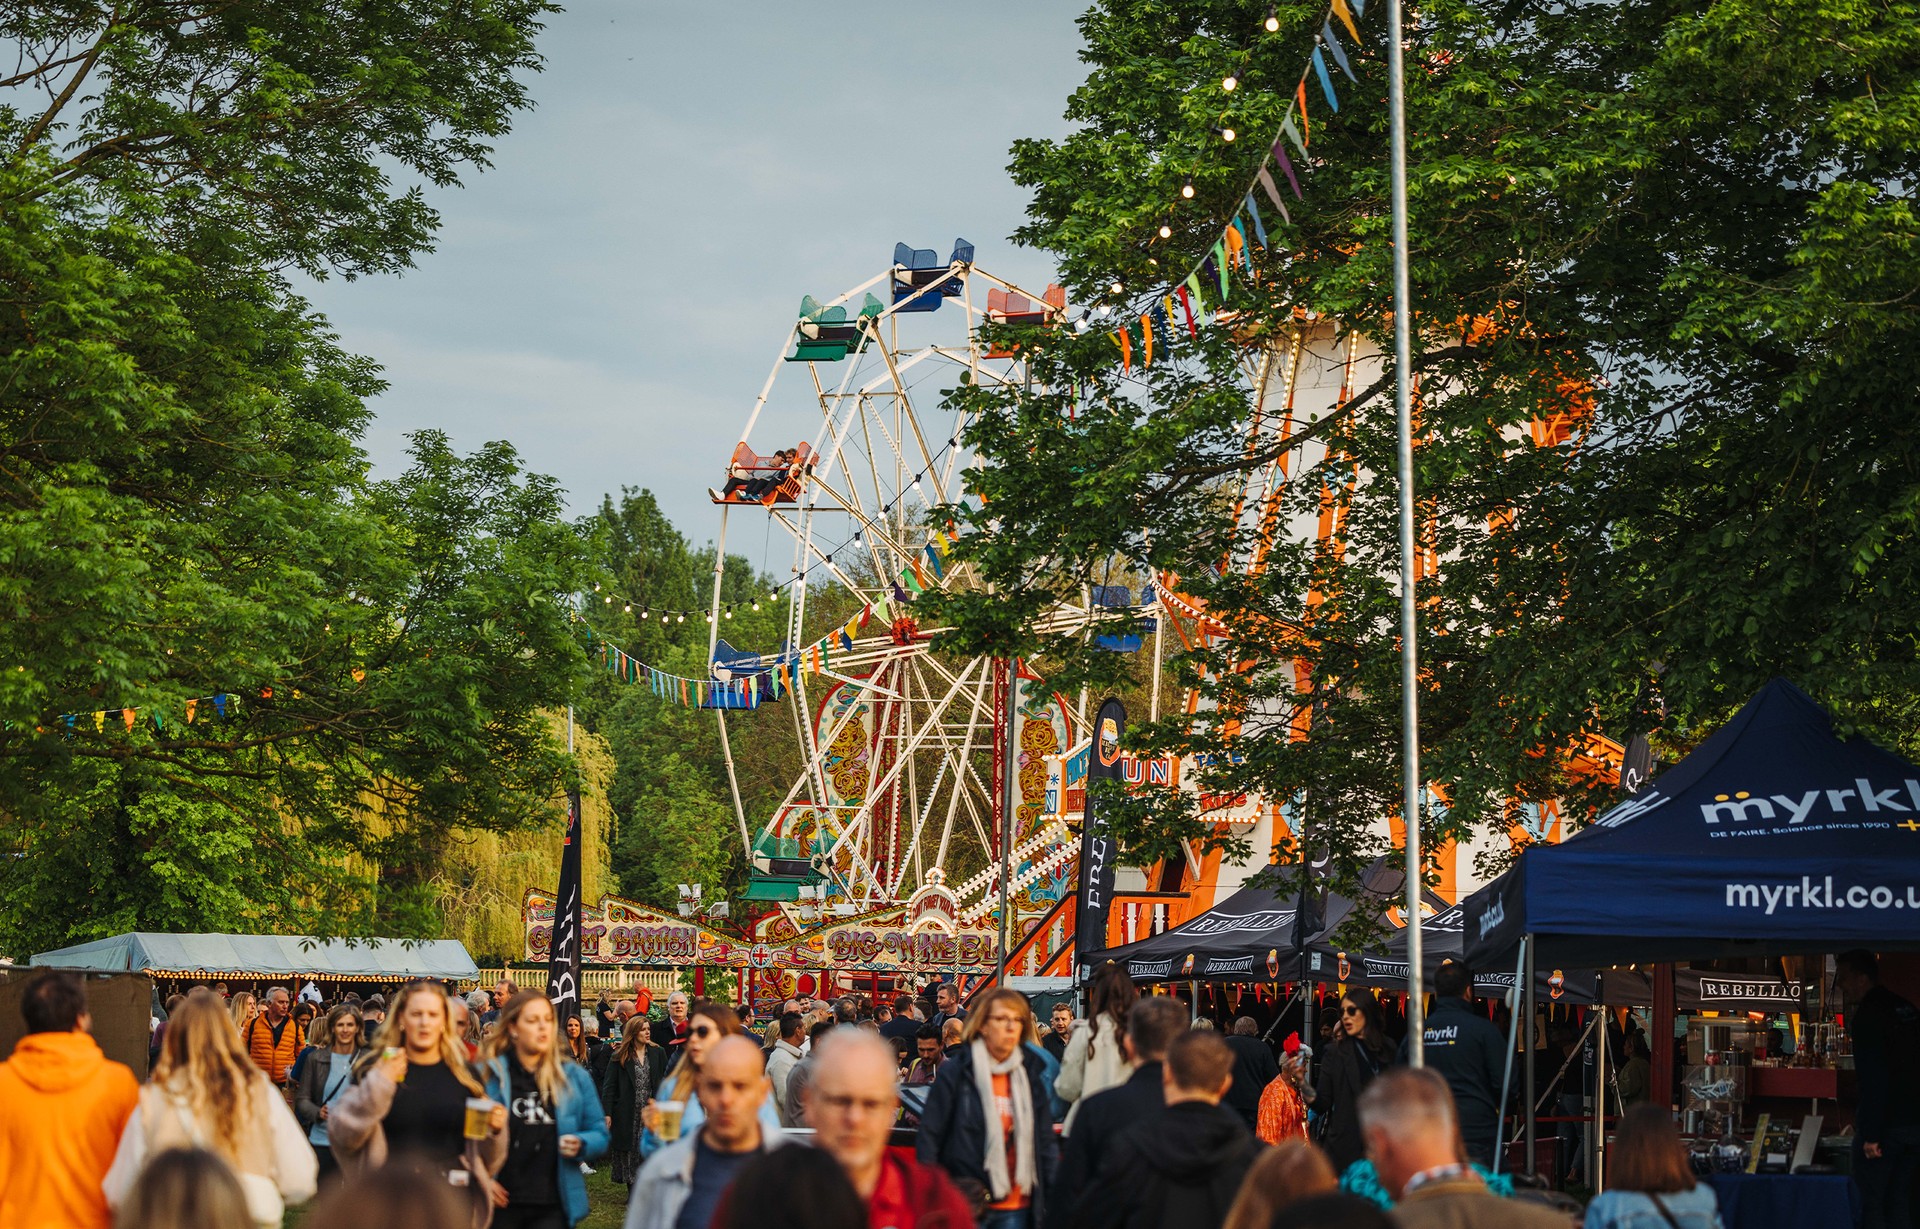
<point x="1403" y="416"/>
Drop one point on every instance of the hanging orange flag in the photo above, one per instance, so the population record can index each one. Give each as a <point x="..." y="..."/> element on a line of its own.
<point x="1300" y="96"/>
<point x="193" y="704"/>
<point x="1346" y="17"/>
<point x="1146" y="334"/>
<point x="126" y="715"/>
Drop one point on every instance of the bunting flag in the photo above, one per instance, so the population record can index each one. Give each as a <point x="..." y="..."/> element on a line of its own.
<point x="1259" y="226"/>
<point x="1286" y="168"/>
<point x="1125" y="343"/>
<point x="1186" y="305"/>
<point x="1326" y="82"/>
<point x="1273" y="194"/>
<point x="1338" y="53"/>
<point x="1220" y="266"/>
<point x="1237" y="245"/>
<point x="1300" y="97"/>
<point x="1291" y="129"/>
<point x="1146" y="341"/>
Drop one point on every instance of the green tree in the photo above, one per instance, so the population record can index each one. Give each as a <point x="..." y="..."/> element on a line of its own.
<point x="186" y="522"/>
<point x="1689" y="227"/>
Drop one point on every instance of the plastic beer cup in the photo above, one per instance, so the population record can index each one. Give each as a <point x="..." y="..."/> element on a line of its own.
<point x="667" y="1125"/>
<point x="478" y="1110"/>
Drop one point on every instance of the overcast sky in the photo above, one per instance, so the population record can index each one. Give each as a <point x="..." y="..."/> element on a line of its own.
<point x="610" y="295"/>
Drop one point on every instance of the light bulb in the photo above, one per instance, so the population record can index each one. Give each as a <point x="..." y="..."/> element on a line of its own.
<point x="1226" y="134"/>
<point x="1229" y="83"/>
<point x="596" y="586"/>
<point x="1186" y="189"/>
<point x="1115" y="288"/>
<point x="756" y="603"/>
<point x="1166" y="232"/>
<point x="608" y="599"/>
<point x="645" y="613"/>
<point x="628" y="608"/>
<point x="680" y="618"/>
<point x="729" y="612"/>
<point x="1273" y="21"/>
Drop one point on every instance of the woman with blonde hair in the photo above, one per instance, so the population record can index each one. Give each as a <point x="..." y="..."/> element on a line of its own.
<point x="987" y="1117"/>
<point x="638" y="1068"/>
<point x="409" y="1099"/>
<point x="185" y="1188"/>
<point x="707" y="1023"/>
<point x="1283" y="1174"/>
<point x="556" y="1119"/>
<point x="206" y="1093"/>
<point x="243" y="1007"/>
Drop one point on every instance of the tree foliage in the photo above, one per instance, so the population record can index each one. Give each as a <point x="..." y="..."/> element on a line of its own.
<point x="1688" y="228"/>
<point x="185" y="511"/>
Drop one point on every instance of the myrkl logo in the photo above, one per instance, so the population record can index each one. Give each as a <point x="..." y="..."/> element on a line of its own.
<point x="1865" y="798"/>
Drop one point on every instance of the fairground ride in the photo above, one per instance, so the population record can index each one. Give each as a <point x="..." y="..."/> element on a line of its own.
<point x="850" y="444"/>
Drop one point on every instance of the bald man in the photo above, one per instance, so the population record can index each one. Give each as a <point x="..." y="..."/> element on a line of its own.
<point x="851" y="1107"/>
<point x="681" y="1185"/>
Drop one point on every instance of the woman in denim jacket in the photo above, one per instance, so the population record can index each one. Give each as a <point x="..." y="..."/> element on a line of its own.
<point x="1649" y="1182"/>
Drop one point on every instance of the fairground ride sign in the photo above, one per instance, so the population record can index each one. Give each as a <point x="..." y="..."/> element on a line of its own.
<point x="906" y="938"/>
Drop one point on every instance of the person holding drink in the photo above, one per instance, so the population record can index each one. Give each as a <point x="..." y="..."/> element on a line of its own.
<point x="554" y="1114"/>
<point x="415" y="1100"/>
<point x="676" y="1108"/>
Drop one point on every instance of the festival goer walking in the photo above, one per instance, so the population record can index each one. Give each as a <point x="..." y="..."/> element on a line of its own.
<point x="785" y="1057"/>
<point x="670" y="1034"/>
<point x="207" y="1093"/>
<point x="394" y="1197"/>
<point x="1182" y="1168"/>
<point x="1470" y="1054"/>
<point x="1885" y="1029"/>
<point x="185" y="1188"/>
<point x="1413" y="1139"/>
<point x="1650" y="1182"/>
<point x="807" y="1185"/>
<point x="928" y="1055"/>
<point x="851" y="1109"/>
<point x="63" y="1105"/>
<point x="906" y="1021"/>
<point x="324" y="1079"/>
<point x="272" y="1041"/>
<point x="707" y="1025"/>
<point x="1059" y="1030"/>
<point x="1096" y="1060"/>
<point x="1281" y="1176"/>
<point x="1360" y="1051"/>
<point x="1152" y="1024"/>
<point x="683" y="1181"/>
<point x="1283" y="1111"/>
<point x="946" y="999"/>
<point x="1254" y="1067"/>
<point x="408" y="1101"/>
<point x="555" y="1121"/>
<point x="243" y="1007"/>
<point x="986" y="1117"/>
<point x="637" y="1069"/>
<point x="576" y="1038"/>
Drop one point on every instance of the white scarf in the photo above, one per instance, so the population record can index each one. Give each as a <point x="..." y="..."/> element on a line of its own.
<point x="1015" y="1069"/>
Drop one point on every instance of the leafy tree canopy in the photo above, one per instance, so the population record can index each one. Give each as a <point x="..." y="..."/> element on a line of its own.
<point x="1688" y="230"/>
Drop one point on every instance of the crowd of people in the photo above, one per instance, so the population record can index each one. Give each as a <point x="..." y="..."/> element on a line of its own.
<point x="434" y="1109"/>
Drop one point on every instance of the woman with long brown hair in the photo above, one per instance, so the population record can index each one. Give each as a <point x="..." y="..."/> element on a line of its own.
<point x="1095" y="1060"/>
<point x="576" y="1039"/>
<point x="1359" y="1052"/>
<point x="409" y="1098"/>
<point x="325" y="1077"/>
<point x="206" y="1093"/>
<point x="556" y="1119"/>
<point x="706" y="1025"/>
<point x="1649" y="1180"/>
<point x="638" y="1068"/>
<point x="1283" y="1174"/>
<point x="988" y="1118"/>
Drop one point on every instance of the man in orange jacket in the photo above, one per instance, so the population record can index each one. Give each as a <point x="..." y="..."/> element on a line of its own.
<point x="273" y="1039"/>
<point x="63" y="1105"/>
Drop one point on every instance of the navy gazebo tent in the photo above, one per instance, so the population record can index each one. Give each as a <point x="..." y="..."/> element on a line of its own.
<point x="1775" y="836"/>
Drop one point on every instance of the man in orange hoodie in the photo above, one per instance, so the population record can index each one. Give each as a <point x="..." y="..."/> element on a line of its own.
<point x="63" y="1105"/>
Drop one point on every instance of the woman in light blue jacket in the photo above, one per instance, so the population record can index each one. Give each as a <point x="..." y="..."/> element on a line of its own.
<point x="1650" y="1185"/>
<point x="705" y="1027"/>
<point x="554" y="1121"/>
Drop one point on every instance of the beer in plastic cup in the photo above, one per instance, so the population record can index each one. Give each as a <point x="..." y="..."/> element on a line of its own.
<point x="478" y="1111"/>
<point x="667" y="1125"/>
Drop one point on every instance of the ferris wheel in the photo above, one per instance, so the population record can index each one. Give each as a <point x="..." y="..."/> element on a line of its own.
<point x="849" y="447"/>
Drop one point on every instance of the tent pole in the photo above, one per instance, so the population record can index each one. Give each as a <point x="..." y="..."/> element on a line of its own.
<point x="1599" y="1170"/>
<point x="1527" y="1073"/>
<point x="1661" y="1021"/>
<point x="1506" y="1076"/>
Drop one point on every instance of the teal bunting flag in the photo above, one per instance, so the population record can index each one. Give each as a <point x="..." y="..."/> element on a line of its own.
<point x="1259" y="227"/>
<point x="1326" y="82"/>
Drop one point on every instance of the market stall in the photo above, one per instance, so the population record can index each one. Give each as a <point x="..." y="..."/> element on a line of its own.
<point x="241" y="959"/>
<point x="1775" y="837"/>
